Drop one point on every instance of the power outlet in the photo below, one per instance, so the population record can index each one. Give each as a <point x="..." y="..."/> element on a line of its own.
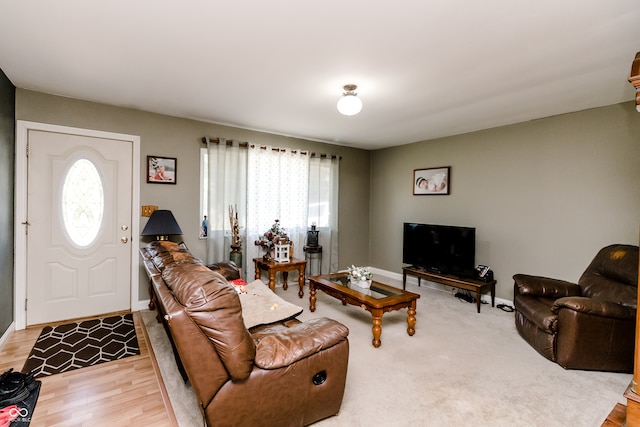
<point x="148" y="210"/>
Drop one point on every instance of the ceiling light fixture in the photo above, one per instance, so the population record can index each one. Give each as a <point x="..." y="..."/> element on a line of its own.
<point x="349" y="104"/>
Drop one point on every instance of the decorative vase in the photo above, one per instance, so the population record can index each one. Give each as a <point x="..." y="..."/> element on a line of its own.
<point x="365" y="284"/>
<point x="236" y="256"/>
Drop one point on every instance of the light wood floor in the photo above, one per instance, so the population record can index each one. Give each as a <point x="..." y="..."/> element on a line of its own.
<point x="125" y="392"/>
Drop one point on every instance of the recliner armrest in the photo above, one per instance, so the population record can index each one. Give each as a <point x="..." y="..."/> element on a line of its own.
<point x="228" y="269"/>
<point x="594" y="307"/>
<point x="545" y="287"/>
<point x="633" y="304"/>
<point x="280" y="346"/>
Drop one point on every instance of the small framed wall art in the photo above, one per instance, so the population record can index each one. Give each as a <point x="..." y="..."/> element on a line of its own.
<point x="431" y="181"/>
<point x="162" y="170"/>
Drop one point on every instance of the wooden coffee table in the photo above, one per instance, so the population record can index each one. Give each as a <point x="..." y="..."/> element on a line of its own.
<point x="377" y="300"/>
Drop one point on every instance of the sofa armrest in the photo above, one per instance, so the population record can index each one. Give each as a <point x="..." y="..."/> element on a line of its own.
<point x="632" y="304"/>
<point x="594" y="307"/>
<point x="228" y="269"/>
<point x="280" y="346"/>
<point x="545" y="287"/>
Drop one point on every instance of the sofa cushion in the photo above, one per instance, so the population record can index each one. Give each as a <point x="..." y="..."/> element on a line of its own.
<point x="179" y="275"/>
<point x="612" y="275"/>
<point x="163" y="259"/>
<point x="158" y="246"/>
<point x="228" y="269"/>
<point x="214" y="306"/>
<point x="163" y="253"/>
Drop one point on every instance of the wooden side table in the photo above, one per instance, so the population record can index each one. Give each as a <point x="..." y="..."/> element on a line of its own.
<point x="273" y="267"/>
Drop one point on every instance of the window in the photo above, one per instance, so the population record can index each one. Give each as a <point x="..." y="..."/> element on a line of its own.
<point x="82" y="202"/>
<point x="265" y="184"/>
<point x="278" y="188"/>
<point x="320" y="189"/>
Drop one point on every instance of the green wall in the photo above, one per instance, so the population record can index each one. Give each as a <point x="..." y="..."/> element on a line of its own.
<point x="544" y="195"/>
<point x="181" y="138"/>
<point x="7" y="159"/>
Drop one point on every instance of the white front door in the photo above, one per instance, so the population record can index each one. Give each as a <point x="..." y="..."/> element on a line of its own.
<point x="78" y="227"/>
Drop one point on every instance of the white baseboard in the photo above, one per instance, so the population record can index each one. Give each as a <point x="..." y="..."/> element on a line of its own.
<point x="7" y="334"/>
<point x="142" y="305"/>
<point x="431" y="285"/>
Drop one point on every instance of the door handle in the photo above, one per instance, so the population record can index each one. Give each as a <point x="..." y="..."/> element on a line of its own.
<point x="124" y="240"/>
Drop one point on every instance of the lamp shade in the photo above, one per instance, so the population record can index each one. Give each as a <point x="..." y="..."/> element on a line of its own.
<point x="161" y="224"/>
<point x="349" y="104"/>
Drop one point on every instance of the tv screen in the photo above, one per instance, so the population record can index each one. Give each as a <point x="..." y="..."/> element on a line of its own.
<point x="440" y="248"/>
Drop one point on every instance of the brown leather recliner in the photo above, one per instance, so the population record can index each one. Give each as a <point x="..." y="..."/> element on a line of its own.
<point x="289" y="373"/>
<point x="589" y="325"/>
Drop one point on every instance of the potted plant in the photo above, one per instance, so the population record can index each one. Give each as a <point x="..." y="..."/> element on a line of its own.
<point x="276" y="235"/>
<point x="360" y="276"/>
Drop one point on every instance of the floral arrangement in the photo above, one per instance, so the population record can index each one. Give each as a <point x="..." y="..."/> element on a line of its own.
<point x="360" y="274"/>
<point x="276" y="234"/>
<point x="236" y="240"/>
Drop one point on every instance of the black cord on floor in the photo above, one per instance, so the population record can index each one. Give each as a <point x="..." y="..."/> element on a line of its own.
<point x="505" y="307"/>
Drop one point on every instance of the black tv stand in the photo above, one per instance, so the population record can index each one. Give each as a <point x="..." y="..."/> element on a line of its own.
<point x="474" y="285"/>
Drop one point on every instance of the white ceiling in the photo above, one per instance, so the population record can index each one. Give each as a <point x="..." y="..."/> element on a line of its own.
<point x="424" y="69"/>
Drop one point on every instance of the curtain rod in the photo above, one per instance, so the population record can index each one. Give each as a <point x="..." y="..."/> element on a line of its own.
<point x="229" y="143"/>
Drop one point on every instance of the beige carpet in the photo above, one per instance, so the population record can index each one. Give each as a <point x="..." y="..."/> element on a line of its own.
<point x="461" y="368"/>
<point x="185" y="405"/>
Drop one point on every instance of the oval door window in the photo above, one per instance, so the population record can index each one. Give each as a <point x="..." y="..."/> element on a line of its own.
<point x="82" y="202"/>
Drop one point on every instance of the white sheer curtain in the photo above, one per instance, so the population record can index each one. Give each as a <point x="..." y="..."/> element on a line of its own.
<point x="323" y="207"/>
<point x="278" y="184"/>
<point x="227" y="186"/>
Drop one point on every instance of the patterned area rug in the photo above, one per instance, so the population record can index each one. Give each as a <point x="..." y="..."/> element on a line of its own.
<point x="81" y="344"/>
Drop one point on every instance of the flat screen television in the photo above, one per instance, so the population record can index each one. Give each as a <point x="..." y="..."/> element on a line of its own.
<point x="441" y="249"/>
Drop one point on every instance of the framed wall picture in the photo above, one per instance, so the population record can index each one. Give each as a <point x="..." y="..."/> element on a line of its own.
<point x="432" y="181"/>
<point x="162" y="170"/>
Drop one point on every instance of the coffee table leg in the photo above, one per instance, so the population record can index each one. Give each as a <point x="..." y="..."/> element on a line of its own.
<point x="377" y="329"/>
<point x="411" y="319"/>
<point x="285" y="278"/>
<point x="312" y="297"/>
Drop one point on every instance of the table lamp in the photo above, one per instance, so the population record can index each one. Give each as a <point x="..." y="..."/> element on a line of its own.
<point x="161" y="224"/>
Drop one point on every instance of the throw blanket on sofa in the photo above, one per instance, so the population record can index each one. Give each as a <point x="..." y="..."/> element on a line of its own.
<point x="260" y="306"/>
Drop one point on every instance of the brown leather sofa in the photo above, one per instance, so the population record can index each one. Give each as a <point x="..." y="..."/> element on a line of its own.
<point x="284" y="374"/>
<point x="589" y="325"/>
